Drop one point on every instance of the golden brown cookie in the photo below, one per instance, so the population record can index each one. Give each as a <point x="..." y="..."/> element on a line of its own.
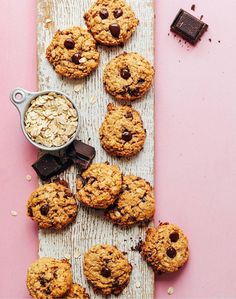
<point x="99" y="185"/>
<point x="73" y="53"/>
<point x="111" y="22"/>
<point x="107" y="269"/>
<point x="48" y="278"/>
<point x="122" y="133"/>
<point x="52" y="205"/>
<point x="128" y="76"/>
<point x="165" y="248"/>
<point x="77" y="292"/>
<point x="135" y="203"/>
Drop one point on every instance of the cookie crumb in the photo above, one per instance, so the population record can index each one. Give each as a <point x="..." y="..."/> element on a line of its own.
<point x="138" y="284"/>
<point x="77" y="254"/>
<point x="218" y="41"/>
<point x="209" y="40"/>
<point x="14" y="213"/>
<point x="67" y="256"/>
<point x="28" y="178"/>
<point x="170" y="291"/>
<point x="201" y="17"/>
<point x="193" y="7"/>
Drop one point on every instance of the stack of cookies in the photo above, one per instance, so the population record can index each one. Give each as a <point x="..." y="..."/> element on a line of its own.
<point x="126" y="199"/>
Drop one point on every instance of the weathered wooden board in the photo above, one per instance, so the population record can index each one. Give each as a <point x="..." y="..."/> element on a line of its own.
<point x="90" y="228"/>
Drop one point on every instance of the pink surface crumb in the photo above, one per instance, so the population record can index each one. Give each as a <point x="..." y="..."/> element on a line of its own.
<point x="195" y="147"/>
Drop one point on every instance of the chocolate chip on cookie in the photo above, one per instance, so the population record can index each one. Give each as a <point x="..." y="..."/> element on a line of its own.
<point x="52" y="206"/>
<point x="122" y="133"/>
<point x="165" y="248"/>
<point x="100" y="185"/>
<point x="128" y="76"/>
<point x="73" y="53"/>
<point x="107" y="269"/>
<point x="49" y="278"/>
<point x="135" y="204"/>
<point x="111" y="22"/>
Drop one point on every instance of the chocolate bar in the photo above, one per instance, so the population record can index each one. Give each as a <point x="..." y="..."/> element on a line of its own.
<point x="188" y="27"/>
<point x="81" y="153"/>
<point x="48" y="166"/>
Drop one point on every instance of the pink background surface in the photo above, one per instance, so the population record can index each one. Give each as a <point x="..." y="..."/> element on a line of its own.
<point x="195" y="147"/>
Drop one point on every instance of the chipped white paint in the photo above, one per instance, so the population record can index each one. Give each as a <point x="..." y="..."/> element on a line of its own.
<point x="90" y="228"/>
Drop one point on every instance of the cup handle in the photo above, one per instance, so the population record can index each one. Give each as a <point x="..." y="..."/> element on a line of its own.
<point x="19" y="97"/>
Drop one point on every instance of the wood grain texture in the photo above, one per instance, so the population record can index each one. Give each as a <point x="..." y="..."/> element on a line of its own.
<point x="90" y="228"/>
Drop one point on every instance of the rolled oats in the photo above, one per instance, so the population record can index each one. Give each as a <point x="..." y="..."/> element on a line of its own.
<point x="51" y="120"/>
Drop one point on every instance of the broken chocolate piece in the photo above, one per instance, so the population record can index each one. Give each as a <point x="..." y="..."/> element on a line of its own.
<point x="188" y="27"/>
<point x="48" y="166"/>
<point x="81" y="153"/>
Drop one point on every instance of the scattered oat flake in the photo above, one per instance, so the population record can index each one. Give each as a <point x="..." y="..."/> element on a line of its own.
<point x="138" y="284"/>
<point x="93" y="100"/>
<point x="170" y="291"/>
<point x="47" y="21"/>
<point x="77" y="254"/>
<point x="67" y="256"/>
<point x="28" y="178"/>
<point x="82" y="60"/>
<point x="13" y="213"/>
<point x="77" y="87"/>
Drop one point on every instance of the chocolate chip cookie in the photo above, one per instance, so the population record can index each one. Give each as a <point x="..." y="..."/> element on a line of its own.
<point x="99" y="185"/>
<point x="135" y="203"/>
<point x="128" y="76"/>
<point x="111" y="22"/>
<point x="165" y="248"/>
<point x="73" y="53"/>
<point x="107" y="269"/>
<point x="48" y="278"/>
<point x="77" y="292"/>
<point x="52" y="205"/>
<point x="122" y="133"/>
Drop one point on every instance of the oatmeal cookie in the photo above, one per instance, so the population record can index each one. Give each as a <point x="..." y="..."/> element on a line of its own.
<point x="107" y="269"/>
<point x="135" y="203"/>
<point x="77" y="292"/>
<point x="52" y="205"/>
<point x="165" y="248"/>
<point x="122" y="133"/>
<point x="111" y="22"/>
<point x="48" y="278"/>
<point x="128" y="76"/>
<point x="99" y="185"/>
<point x="73" y="53"/>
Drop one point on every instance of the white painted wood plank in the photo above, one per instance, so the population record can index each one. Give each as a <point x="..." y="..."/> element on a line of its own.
<point x="90" y="228"/>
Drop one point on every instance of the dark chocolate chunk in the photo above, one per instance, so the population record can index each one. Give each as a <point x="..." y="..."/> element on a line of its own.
<point x="106" y="272"/>
<point x="44" y="210"/>
<point x="174" y="237"/>
<point x="188" y="27"/>
<point x="76" y="58"/>
<point x="69" y="43"/>
<point x="115" y="30"/>
<point x="118" y="13"/>
<point x="141" y="81"/>
<point x="42" y="281"/>
<point x="125" y="73"/>
<point x="127" y="136"/>
<point x="48" y="166"/>
<point x="81" y="153"/>
<point x="103" y="13"/>
<point x="133" y="92"/>
<point x="171" y="252"/>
